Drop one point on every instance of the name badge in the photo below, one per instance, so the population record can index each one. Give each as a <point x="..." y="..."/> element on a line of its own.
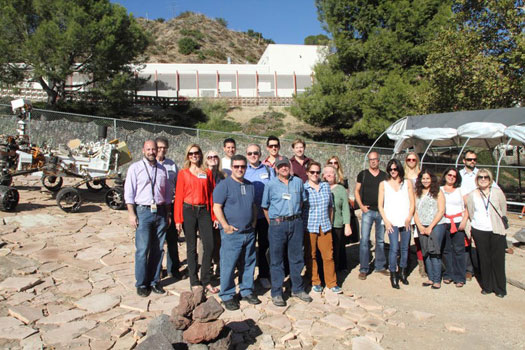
<point x="154" y="208"/>
<point x="201" y="176"/>
<point x="287" y="196"/>
<point x="243" y="190"/>
<point x="264" y="176"/>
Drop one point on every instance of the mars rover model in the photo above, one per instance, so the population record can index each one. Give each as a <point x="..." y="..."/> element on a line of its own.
<point x="91" y="163"/>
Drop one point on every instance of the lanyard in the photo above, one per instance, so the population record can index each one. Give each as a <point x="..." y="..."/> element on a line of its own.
<point x="152" y="182"/>
<point x="488" y="200"/>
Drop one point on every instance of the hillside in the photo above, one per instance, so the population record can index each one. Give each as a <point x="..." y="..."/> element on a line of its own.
<point x="214" y="41"/>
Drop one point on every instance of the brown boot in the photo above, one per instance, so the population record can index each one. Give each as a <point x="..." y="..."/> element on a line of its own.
<point x="422" y="269"/>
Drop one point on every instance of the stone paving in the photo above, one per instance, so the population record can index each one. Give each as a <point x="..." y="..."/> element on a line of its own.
<point x="67" y="282"/>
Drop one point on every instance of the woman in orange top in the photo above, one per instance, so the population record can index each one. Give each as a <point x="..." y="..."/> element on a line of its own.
<point x="192" y="211"/>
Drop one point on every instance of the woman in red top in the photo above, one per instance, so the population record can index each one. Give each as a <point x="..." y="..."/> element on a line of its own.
<point x="192" y="211"/>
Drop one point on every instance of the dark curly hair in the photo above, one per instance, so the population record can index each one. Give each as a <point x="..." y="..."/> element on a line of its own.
<point x="458" y="177"/>
<point x="434" y="185"/>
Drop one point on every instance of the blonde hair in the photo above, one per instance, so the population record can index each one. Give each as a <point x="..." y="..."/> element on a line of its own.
<point x="336" y="175"/>
<point x="187" y="160"/>
<point x="486" y="172"/>
<point x="418" y="163"/>
<point x="219" y="163"/>
<point x="340" y="174"/>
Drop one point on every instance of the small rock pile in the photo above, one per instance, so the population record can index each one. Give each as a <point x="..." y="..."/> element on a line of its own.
<point x="194" y="324"/>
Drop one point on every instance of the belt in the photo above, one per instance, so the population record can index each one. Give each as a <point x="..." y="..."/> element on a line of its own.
<point x="149" y="206"/>
<point x="187" y="205"/>
<point x="286" y="218"/>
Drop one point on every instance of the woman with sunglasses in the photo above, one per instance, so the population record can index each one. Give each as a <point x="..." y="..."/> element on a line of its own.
<point x="455" y="220"/>
<point x="412" y="169"/>
<point x="193" y="211"/>
<point x="341" y="217"/>
<point x="396" y="206"/>
<point x="486" y="207"/>
<point x="336" y="163"/>
<point x="430" y="222"/>
<point x="213" y="163"/>
<point x="317" y="215"/>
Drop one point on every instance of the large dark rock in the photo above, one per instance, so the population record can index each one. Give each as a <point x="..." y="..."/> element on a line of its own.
<point x="200" y="332"/>
<point x="163" y="325"/>
<point x="180" y="322"/>
<point x="223" y="342"/>
<point x="156" y="341"/>
<point x="208" y="311"/>
<point x="186" y="305"/>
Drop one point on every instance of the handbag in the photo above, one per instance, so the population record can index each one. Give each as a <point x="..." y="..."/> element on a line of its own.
<point x="503" y="218"/>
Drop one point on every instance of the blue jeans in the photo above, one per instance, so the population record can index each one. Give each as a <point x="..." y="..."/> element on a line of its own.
<point x="149" y="244"/>
<point x="454" y="256"/>
<point x="237" y="247"/>
<point x="281" y="234"/>
<point x="396" y="246"/>
<point x="433" y="261"/>
<point x="368" y="219"/>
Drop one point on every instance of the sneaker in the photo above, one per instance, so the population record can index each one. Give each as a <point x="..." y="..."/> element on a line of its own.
<point x="251" y="299"/>
<point x="265" y="283"/>
<point x="231" y="304"/>
<point x="336" y="290"/>
<point x="157" y="288"/>
<point x="362" y="276"/>
<point x="278" y="301"/>
<point x="317" y="289"/>
<point x="303" y="296"/>
<point x="143" y="291"/>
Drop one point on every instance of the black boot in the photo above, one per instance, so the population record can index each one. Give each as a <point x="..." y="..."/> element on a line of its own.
<point x="403" y="276"/>
<point x="393" y="280"/>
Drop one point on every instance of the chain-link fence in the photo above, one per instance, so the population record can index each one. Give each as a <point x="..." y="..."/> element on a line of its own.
<point x="53" y="128"/>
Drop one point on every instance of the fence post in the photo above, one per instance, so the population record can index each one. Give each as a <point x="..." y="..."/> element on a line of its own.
<point x="115" y="128"/>
<point x="198" y="136"/>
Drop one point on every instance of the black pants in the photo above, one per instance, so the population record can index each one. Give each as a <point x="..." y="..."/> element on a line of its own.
<point x="491" y="252"/>
<point x="172" y="238"/>
<point x="261" y="231"/>
<point x="338" y="240"/>
<point x="198" y="218"/>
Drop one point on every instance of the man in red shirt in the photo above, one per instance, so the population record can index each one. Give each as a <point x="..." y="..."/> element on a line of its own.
<point x="299" y="161"/>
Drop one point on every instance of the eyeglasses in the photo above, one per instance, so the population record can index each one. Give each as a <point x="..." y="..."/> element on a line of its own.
<point x="193" y="153"/>
<point x="411" y="160"/>
<point x="483" y="177"/>
<point x="162" y="147"/>
<point x="451" y="175"/>
<point x="253" y="153"/>
<point x="273" y="146"/>
<point x="212" y="157"/>
<point x="471" y="159"/>
<point x="333" y="162"/>
<point x="393" y="169"/>
<point x="372" y="159"/>
<point x="239" y="166"/>
<point x="314" y="172"/>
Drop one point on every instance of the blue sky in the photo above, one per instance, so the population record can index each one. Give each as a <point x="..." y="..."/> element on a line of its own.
<point x="284" y="21"/>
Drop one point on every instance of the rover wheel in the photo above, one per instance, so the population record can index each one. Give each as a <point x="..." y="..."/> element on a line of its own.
<point x="115" y="198"/>
<point x="69" y="200"/>
<point x="52" y="183"/>
<point x="8" y="198"/>
<point x="96" y="185"/>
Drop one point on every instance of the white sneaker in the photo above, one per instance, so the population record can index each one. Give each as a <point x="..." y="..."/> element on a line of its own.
<point x="265" y="283"/>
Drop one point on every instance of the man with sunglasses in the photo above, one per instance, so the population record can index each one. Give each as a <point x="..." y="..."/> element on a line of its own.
<point x="147" y="196"/>
<point x="172" y="258"/>
<point x="282" y="204"/>
<point x="234" y="206"/>
<point x="259" y="175"/>
<point x="366" y="195"/>
<point x="273" y="145"/>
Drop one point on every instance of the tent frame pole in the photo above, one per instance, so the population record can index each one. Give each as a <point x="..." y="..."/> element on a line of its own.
<point x="501" y="157"/>
<point x="461" y="152"/>
<point x="370" y="149"/>
<point x="424" y="154"/>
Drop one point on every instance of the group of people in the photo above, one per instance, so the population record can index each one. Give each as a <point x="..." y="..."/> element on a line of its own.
<point x="278" y="213"/>
<point x="443" y="216"/>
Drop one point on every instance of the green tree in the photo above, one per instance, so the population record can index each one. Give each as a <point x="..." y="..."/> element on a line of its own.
<point x="187" y="46"/>
<point x="374" y="76"/>
<point x="319" y="39"/>
<point x="478" y="62"/>
<point x="47" y="41"/>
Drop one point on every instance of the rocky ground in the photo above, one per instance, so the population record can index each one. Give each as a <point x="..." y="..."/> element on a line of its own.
<point x="66" y="282"/>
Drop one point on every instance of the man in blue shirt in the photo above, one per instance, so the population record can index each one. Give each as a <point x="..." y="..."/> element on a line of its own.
<point x="282" y="202"/>
<point x="259" y="175"/>
<point x="234" y="206"/>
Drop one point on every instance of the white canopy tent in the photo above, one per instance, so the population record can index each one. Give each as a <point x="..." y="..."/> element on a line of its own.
<point x="483" y="128"/>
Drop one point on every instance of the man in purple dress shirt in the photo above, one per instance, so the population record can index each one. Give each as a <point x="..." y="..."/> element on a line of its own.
<point x="147" y="193"/>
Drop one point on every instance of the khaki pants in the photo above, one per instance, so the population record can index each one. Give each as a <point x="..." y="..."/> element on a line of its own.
<point x="323" y="242"/>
